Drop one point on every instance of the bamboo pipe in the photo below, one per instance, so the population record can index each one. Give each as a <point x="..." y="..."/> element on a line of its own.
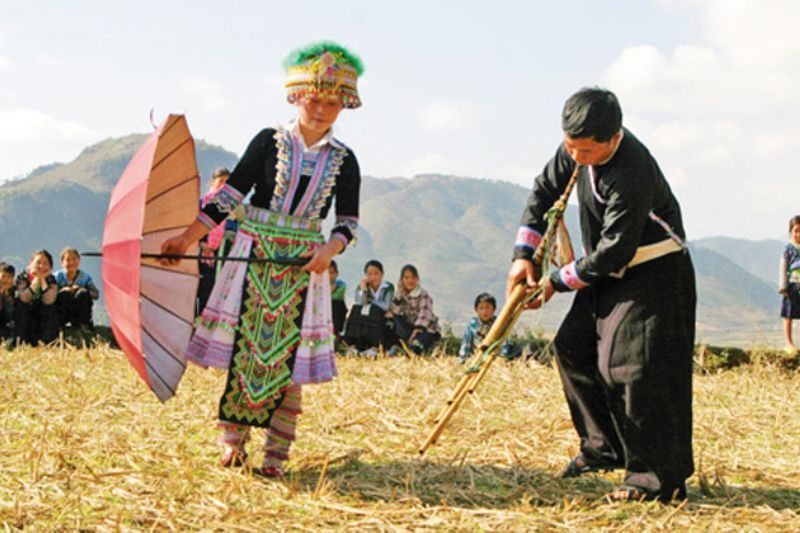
<point x="501" y="328"/>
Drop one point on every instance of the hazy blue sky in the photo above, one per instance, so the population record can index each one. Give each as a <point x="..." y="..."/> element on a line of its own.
<point x="473" y="88"/>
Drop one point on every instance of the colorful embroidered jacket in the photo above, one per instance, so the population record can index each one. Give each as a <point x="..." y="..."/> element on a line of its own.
<point x="473" y="337"/>
<point x="27" y="294"/>
<point x="381" y="298"/>
<point x="417" y="307"/>
<point x="615" y="200"/>
<point x="790" y="266"/>
<point x="82" y="280"/>
<point x="308" y="181"/>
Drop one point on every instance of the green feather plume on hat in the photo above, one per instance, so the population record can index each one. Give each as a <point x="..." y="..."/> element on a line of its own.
<point x="301" y="55"/>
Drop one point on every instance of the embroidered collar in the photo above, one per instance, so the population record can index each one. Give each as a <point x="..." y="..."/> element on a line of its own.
<point x="328" y="138"/>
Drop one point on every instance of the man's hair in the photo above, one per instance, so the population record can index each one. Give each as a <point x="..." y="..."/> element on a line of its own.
<point x="592" y="113"/>
<point x="6" y="267"/>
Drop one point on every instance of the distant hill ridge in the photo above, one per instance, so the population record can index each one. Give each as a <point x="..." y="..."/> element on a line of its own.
<point x="458" y="232"/>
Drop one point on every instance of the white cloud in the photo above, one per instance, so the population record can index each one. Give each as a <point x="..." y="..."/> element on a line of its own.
<point x="720" y="114"/>
<point x="29" y="138"/>
<point x="205" y="93"/>
<point x="48" y="60"/>
<point x="516" y="173"/>
<point x="446" y="115"/>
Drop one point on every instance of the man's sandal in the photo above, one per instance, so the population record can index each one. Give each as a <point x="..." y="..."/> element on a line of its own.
<point x="630" y="493"/>
<point x="580" y="465"/>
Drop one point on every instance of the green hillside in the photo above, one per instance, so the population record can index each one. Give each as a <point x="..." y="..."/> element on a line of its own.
<point x="458" y="231"/>
<point x="760" y="258"/>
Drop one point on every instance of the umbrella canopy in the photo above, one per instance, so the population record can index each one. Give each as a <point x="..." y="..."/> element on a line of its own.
<point x="150" y="306"/>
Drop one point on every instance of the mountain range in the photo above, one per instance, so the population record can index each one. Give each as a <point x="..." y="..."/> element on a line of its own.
<point x="458" y="231"/>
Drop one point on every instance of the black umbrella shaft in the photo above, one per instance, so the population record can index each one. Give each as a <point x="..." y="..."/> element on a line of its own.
<point x="279" y="260"/>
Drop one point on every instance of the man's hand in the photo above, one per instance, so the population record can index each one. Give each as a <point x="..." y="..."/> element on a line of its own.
<point x="543" y="297"/>
<point x="521" y="270"/>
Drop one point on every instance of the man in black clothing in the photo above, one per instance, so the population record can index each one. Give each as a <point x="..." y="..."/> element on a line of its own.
<point x="625" y="347"/>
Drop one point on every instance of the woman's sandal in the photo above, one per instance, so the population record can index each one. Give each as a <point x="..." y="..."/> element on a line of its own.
<point x="233" y="458"/>
<point x="579" y="466"/>
<point x="270" y="471"/>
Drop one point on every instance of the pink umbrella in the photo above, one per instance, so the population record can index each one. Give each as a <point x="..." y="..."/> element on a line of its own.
<point x="150" y="306"/>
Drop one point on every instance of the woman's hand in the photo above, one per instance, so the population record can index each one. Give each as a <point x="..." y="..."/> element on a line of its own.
<point x="322" y="255"/>
<point x="174" y="246"/>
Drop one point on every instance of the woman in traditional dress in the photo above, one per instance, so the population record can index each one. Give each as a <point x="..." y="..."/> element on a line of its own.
<point x="269" y="324"/>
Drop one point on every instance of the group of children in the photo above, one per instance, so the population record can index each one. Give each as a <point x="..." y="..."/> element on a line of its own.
<point x="387" y="317"/>
<point x="37" y="304"/>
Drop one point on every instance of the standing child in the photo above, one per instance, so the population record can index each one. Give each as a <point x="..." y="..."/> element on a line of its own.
<point x="338" y="305"/>
<point x="366" y="325"/>
<point x="412" y="314"/>
<point x="76" y="292"/>
<point x="212" y="243"/>
<point x="790" y="282"/>
<point x="7" y="295"/>
<point x="269" y="324"/>
<point x="35" y="316"/>
<point x="485" y="306"/>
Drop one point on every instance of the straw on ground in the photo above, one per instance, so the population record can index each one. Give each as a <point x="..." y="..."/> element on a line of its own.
<point x="85" y="445"/>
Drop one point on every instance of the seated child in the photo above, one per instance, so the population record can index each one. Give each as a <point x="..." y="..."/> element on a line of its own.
<point x="478" y="327"/>
<point x="75" y="292"/>
<point x="338" y="306"/>
<point x="412" y="314"/>
<point x="7" y="295"/>
<point x="366" y="324"/>
<point x="35" y="316"/>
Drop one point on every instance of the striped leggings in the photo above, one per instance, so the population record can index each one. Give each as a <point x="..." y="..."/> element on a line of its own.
<point x="280" y="433"/>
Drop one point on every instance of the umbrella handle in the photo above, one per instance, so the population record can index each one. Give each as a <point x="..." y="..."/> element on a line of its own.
<point x="299" y="261"/>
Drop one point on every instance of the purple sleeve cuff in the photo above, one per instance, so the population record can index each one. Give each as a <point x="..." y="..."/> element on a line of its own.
<point x="206" y="220"/>
<point x="528" y="237"/>
<point x="340" y="237"/>
<point x="568" y="276"/>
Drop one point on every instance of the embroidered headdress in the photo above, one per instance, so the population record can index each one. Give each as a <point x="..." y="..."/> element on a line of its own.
<point x="325" y="69"/>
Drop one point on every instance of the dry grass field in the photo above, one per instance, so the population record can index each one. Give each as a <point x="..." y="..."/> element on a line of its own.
<point x="83" y="445"/>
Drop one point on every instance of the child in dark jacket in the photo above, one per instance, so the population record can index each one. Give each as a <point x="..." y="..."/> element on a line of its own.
<point x="7" y="295"/>
<point x="35" y="316"/>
